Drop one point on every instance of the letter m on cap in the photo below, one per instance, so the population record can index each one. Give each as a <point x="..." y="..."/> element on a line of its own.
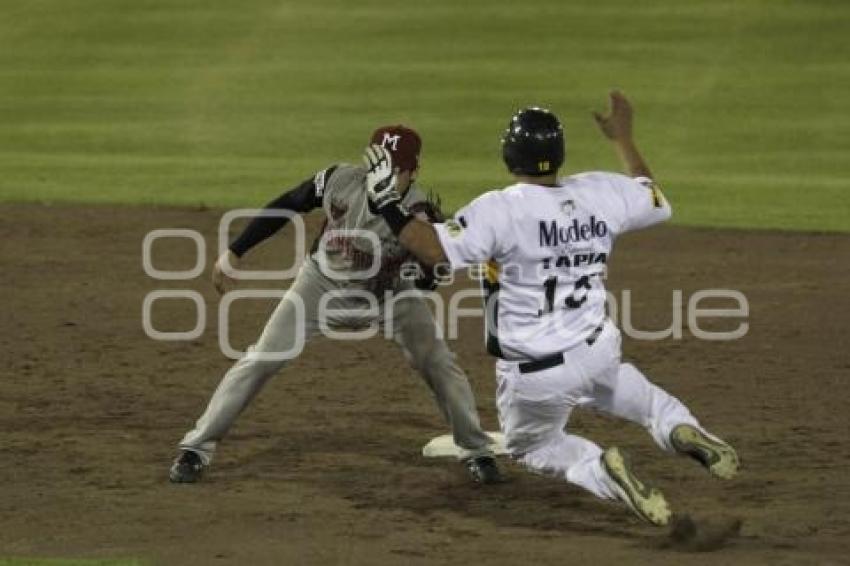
<point x="390" y="141"/>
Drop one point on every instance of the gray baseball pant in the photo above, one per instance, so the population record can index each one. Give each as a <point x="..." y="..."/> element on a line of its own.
<point x="296" y="319"/>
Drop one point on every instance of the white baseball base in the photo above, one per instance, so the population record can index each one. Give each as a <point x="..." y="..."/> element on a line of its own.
<point x="444" y="447"/>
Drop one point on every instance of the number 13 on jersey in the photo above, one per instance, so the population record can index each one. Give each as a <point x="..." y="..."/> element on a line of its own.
<point x="574" y="300"/>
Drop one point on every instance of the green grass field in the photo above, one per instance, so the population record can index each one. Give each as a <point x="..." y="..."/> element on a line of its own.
<point x="67" y="562"/>
<point x="743" y="106"/>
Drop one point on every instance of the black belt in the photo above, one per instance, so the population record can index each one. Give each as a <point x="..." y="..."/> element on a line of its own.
<point x="556" y="359"/>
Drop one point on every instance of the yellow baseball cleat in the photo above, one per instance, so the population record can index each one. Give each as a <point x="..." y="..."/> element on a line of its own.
<point x="715" y="455"/>
<point x="648" y="503"/>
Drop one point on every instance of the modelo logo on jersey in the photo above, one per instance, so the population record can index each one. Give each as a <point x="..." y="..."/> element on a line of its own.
<point x="554" y="234"/>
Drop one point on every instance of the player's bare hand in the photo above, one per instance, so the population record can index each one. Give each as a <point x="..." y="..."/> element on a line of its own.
<point x="617" y="124"/>
<point x="221" y="281"/>
<point x="380" y="177"/>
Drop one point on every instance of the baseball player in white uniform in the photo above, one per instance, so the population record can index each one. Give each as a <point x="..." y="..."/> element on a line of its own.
<point x="547" y="242"/>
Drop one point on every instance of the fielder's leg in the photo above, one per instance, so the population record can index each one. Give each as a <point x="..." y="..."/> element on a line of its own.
<point x="292" y="323"/>
<point x="415" y="331"/>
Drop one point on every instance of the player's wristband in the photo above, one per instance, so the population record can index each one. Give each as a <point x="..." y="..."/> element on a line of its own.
<point x="396" y="217"/>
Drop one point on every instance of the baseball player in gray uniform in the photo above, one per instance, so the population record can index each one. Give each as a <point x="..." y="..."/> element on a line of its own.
<point x="354" y="265"/>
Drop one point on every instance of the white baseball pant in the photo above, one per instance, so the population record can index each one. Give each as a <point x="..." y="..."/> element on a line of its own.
<point x="534" y="409"/>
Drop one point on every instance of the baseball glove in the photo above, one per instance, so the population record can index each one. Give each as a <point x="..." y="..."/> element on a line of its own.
<point x="431" y="210"/>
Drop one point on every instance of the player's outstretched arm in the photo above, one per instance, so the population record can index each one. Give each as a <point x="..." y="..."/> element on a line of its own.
<point x="420" y="238"/>
<point x="220" y="279"/>
<point x="617" y="127"/>
<point x="416" y="235"/>
<point x="301" y="199"/>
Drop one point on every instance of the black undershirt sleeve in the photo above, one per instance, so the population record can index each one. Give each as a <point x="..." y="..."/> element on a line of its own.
<point x="302" y="199"/>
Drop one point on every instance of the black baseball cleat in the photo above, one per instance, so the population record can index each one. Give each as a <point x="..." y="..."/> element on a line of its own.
<point x="484" y="470"/>
<point x="715" y="455"/>
<point x="187" y="468"/>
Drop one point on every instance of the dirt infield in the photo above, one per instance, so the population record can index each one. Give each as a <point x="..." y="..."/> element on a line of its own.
<point x="324" y="468"/>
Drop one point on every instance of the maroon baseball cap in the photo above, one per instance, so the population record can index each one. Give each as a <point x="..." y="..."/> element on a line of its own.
<point x="403" y="143"/>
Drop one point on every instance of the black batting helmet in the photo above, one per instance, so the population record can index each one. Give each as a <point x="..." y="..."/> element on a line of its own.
<point x="533" y="144"/>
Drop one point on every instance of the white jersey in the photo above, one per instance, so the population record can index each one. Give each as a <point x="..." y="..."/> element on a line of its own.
<point x="546" y="250"/>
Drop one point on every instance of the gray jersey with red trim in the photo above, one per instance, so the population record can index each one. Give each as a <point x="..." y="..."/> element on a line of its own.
<point x="357" y="246"/>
